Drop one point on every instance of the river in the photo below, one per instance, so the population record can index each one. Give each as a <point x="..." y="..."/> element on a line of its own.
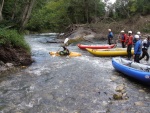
<point x="84" y="84"/>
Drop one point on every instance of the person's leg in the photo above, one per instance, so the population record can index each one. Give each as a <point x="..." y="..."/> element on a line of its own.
<point x="143" y="55"/>
<point x="129" y="52"/>
<point x="136" y="58"/>
<point x="130" y="55"/>
<point x="147" y="55"/>
<point x="109" y="41"/>
<point x="122" y="44"/>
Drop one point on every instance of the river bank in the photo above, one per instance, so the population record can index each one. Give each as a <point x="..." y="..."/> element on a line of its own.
<point x="12" y="58"/>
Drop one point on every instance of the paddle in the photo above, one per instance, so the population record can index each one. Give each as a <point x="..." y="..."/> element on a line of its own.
<point x="58" y="50"/>
<point x="66" y="41"/>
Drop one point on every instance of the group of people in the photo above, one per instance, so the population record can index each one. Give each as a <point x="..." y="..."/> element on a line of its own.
<point x="128" y="40"/>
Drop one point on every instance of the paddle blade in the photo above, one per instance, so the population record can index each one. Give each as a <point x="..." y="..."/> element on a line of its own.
<point x="66" y="40"/>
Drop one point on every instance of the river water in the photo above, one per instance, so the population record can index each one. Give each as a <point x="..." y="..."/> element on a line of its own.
<point x="84" y="84"/>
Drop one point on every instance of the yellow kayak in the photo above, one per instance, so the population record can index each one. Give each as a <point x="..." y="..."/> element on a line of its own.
<point x="72" y="54"/>
<point x="109" y="52"/>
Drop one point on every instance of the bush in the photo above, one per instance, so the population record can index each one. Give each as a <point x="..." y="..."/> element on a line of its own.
<point x="13" y="38"/>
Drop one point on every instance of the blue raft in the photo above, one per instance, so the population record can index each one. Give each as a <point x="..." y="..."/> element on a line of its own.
<point x="132" y="69"/>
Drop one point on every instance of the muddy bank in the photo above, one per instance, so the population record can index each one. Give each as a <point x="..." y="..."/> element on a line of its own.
<point x="17" y="56"/>
<point x="11" y="58"/>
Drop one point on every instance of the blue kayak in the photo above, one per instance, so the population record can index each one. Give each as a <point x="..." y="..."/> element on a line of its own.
<point x="132" y="69"/>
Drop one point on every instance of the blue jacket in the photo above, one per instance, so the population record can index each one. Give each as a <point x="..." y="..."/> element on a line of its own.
<point x="138" y="47"/>
<point x="110" y="35"/>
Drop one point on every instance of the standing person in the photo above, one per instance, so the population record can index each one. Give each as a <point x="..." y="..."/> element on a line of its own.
<point x="139" y="33"/>
<point x="123" y="38"/>
<point x="137" y="49"/>
<point x="145" y="45"/>
<point x="134" y="39"/>
<point x="110" y="36"/>
<point x="129" y="43"/>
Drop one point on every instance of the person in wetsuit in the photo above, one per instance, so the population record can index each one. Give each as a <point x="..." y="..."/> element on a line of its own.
<point x="64" y="52"/>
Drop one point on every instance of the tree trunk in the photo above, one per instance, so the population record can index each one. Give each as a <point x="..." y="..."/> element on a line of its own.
<point x="27" y="12"/>
<point x="1" y="9"/>
<point x="95" y="9"/>
<point x="14" y="10"/>
<point x="86" y="10"/>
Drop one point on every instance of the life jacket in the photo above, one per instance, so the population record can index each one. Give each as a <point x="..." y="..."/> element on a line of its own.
<point x="110" y="35"/>
<point x="123" y="37"/>
<point x="66" y="52"/>
<point x="129" y="40"/>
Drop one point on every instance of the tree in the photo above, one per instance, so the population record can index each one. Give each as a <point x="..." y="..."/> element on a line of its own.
<point x="1" y="9"/>
<point x="26" y="13"/>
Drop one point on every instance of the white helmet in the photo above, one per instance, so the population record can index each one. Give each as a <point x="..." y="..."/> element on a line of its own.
<point x="138" y="33"/>
<point x="122" y="31"/>
<point x="129" y="31"/>
<point x="144" y="41"/>
<point x="109" y="29"/>
<point x="136" y="36"/>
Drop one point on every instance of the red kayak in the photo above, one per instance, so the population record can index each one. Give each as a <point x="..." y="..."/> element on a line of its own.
<point x="96" y="46"/>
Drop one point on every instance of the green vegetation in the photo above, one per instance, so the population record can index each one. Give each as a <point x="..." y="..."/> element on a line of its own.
<point x="127" y="9"/>
<point x="57" y="15"/>
<point x="12" y="38"/>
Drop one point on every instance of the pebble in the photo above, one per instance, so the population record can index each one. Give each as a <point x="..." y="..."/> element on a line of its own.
<point x="139" y="103"/>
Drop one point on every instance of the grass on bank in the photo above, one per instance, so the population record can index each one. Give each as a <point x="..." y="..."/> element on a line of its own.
<point x="13" y="38"/>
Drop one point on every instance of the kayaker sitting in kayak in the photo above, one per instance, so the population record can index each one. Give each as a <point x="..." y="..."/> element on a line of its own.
<point x="64" y="52"/>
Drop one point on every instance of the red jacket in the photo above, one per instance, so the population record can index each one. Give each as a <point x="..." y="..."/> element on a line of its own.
<point x="129" y="40"/>
<point x="123" y="38"/>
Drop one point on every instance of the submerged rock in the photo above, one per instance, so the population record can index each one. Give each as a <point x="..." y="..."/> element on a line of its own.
<point x="8" y="64"/>
<point x="16" y="56"/>
<point x="2" y="63"/>
<point x="139" y="103"/>
<point x="120" y="88"/>
<point x="118" y="96"/>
